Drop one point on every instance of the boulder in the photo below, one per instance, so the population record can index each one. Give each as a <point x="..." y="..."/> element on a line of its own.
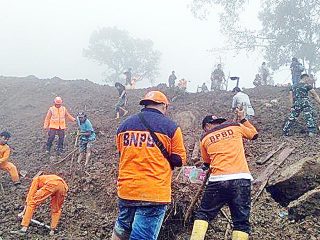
<point x="306" y="205"/>
<point x="295" y="180"/>
<point x="186" y="120"/>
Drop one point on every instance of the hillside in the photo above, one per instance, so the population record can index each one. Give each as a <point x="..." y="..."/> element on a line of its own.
<point x="91" y="206"/>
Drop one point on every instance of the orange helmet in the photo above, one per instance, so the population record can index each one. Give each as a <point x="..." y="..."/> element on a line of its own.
<point x="154" y="96"/>
<point x="57" y="100"/>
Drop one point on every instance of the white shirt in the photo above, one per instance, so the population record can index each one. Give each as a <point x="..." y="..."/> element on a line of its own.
<point x="242" y="99"/>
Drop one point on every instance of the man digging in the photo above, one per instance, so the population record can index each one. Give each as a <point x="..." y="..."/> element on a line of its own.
<point x="87" y="137"/>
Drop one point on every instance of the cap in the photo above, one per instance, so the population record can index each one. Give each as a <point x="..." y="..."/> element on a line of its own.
<point x="236" y="89"/>
<point x="212" y="119"/>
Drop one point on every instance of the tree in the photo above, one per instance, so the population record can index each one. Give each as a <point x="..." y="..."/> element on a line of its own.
<point x="118" y="51"/>
<point x="289" y="28"/>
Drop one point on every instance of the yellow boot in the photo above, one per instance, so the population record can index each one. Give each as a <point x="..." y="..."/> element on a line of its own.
<point x="199" y="230"/>
<point x="238" y="235"/>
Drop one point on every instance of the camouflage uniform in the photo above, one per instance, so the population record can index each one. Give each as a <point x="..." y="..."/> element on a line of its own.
<point x="301" y="103"/>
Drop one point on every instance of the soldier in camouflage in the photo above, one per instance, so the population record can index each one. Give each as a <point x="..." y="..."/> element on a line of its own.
<point x="300" y="102"/>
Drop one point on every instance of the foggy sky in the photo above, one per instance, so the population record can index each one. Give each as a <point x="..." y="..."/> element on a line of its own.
<point x="46" y="38"/>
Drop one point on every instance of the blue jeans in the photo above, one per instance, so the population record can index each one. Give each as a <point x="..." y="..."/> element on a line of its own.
<point x="139" y="222"/>
<point x="236" y="194"/>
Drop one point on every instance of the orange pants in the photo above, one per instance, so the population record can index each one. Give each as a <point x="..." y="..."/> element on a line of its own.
<point x="54" y="189"/>
<point x="11" y="169"/>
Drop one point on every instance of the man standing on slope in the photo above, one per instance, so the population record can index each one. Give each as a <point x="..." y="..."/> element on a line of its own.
<point x="55" y="124"/>
<point x="300" y="102"/>
<point x="144" y="181"/>
<point x="230" y="180"/>
<point x="87" y="137"/>
<point x="242" y="101"/>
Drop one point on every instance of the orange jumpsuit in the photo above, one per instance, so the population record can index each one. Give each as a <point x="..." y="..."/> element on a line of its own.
<point x="6" y="165"/>
<point x="41" y="188"/>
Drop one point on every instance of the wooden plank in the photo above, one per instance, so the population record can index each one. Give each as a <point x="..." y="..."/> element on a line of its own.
<point x="261" y="182"/>
<point x="66" y="157"/>
<point x="195" y="152"/>
<point x="270" y="155"/>
<point x="38" y="174"/>
<point x="196" y="198"/>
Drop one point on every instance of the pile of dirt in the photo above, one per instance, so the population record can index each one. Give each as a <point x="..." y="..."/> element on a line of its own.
<point x="91" y="206"/>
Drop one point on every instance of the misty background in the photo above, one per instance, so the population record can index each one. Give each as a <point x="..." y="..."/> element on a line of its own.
<point x="47" y="38"/>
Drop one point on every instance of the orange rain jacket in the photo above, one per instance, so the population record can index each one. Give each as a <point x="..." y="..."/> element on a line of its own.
<point x="56" y="118"/>
<point x="223" y="149"/>
<point x="144" y="173"/>
<point x="41" y="188"/>
<point x="6" y="165"/>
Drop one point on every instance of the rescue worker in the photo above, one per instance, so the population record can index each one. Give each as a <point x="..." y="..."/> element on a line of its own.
<point x="87" y="137"/>
<point x="257" y="80"/>
<point x="204" y="88"/>
<point x="144" y="180"/>
<point x="122" y="100"/>
<point x="41" y="188"/>
<point x="313" y="80"/>
<point x="230" y="179"/>
<point x="217" y="77"/>
<point x="133" y="82"/>
<point x="172" y="79"/>
<point x="4" y="158"/>
<point x="128" y="75"/>
<point x="242" y="101"/>
<point x="296" y="70"/>
<point x="182" y="85"/>
<point x="55" y="124"/>
<point x="300" y="102"/>
<point x="264" y="73"/>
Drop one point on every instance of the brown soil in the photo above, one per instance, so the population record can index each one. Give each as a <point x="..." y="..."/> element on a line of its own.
<point x="91" y="206"/>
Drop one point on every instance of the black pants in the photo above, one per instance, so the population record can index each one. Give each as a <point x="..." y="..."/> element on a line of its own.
<point x="236" y="194"/>
<point x="52" y="134"/>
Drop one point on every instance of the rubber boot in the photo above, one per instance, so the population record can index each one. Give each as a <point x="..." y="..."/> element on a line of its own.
<point x="199" y="230"/>
<point x="238" y="235"/>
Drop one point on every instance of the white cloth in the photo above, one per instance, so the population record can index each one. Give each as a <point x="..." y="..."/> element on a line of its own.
<point x="242" y="100"/>
<point x="226" y="177"/>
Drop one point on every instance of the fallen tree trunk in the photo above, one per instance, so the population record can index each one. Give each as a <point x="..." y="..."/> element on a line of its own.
<point x="196" y="198"/>
<point x="260" y="183"/>
<point x="270" y="155"/>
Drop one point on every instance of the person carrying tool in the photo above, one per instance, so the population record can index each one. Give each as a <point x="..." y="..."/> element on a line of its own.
<point x="229" y="183"/>
<point x="43" y="187"/>
<point x="217" y="78"/>
<point x="150" y="146"/>
<point x="87" y="137"/>
<point x="122" y="100"/>
<point x="300" y="102"/>
<point x="172" y="79"/>
<point x="242" y="101"/>
<point x="4" y="158"/>
<point x="55" y="124"/>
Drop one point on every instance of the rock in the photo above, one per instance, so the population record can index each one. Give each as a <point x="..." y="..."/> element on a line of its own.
<point x="186" y="119"/>
<point x="308" y="204"/>
<point x="295" y="180"/>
